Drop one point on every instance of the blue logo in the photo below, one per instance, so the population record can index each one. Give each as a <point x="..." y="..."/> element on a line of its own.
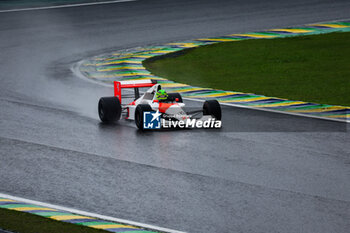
<point x="151" y="120"/>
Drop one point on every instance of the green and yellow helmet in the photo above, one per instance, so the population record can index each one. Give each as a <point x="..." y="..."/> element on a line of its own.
<point x="161" y="95"/>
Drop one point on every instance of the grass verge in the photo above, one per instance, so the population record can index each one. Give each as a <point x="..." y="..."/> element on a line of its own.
<point x="29" y="223"/>
<point x="311" y="68"/>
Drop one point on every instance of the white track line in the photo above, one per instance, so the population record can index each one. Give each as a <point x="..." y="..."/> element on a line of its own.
<point x="276" y="111"/>
<point x="66" y="6"/>
<point x="80" y="212"/>
<point x="75" y="69"/>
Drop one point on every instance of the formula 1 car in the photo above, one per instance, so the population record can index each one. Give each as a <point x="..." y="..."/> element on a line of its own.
<point x="111" y="109"/>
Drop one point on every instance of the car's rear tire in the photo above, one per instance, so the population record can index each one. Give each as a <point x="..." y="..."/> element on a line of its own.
<point x="173" y="96"/>
<point x="109" y="109"/>
<point x="140" y="109"/>
<point x="212" y="107"/>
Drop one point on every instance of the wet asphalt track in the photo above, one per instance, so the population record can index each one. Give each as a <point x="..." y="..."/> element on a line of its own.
<point x="263" y="172"/>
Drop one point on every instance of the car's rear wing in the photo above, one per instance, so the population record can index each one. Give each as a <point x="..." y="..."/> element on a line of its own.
<point x="136" y="84"/>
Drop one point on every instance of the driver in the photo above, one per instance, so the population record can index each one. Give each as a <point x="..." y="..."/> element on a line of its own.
<point x="161" y="95"/>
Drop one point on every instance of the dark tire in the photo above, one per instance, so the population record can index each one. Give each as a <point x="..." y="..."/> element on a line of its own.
<point x="140" y="109"/>
<point x="212" y="107"/>
<point x="173" y="96"/>
<point x="109" y="109"/>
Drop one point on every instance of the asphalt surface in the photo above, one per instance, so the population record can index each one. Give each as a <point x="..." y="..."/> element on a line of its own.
<point x="263" y="172"/>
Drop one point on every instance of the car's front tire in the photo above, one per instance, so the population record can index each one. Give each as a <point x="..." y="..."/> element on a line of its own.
<point x="212" y="107"/>
<point x="140" y="109"/>
<point x="109" y="109"/>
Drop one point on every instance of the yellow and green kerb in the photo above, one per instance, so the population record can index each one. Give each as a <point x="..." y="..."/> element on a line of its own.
<point x="67" y="217"/>
<point x="127" y="65"/>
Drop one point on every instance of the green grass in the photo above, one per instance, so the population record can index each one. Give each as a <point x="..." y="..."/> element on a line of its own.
<point x="28" y="223"/>
<point x="313" y="68"/>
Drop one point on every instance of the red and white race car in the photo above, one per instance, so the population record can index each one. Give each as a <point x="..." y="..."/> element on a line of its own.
<point x="111" y="109"/>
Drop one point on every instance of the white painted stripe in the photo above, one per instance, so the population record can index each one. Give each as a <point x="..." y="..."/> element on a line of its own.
<point x="75" y="69"/>
<point x="4" y="231"/>
<point x="276" y="111"/>
<point x="338" y="20"/>
<point x="65" y="6"/>
<point x="85" y="213"/>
